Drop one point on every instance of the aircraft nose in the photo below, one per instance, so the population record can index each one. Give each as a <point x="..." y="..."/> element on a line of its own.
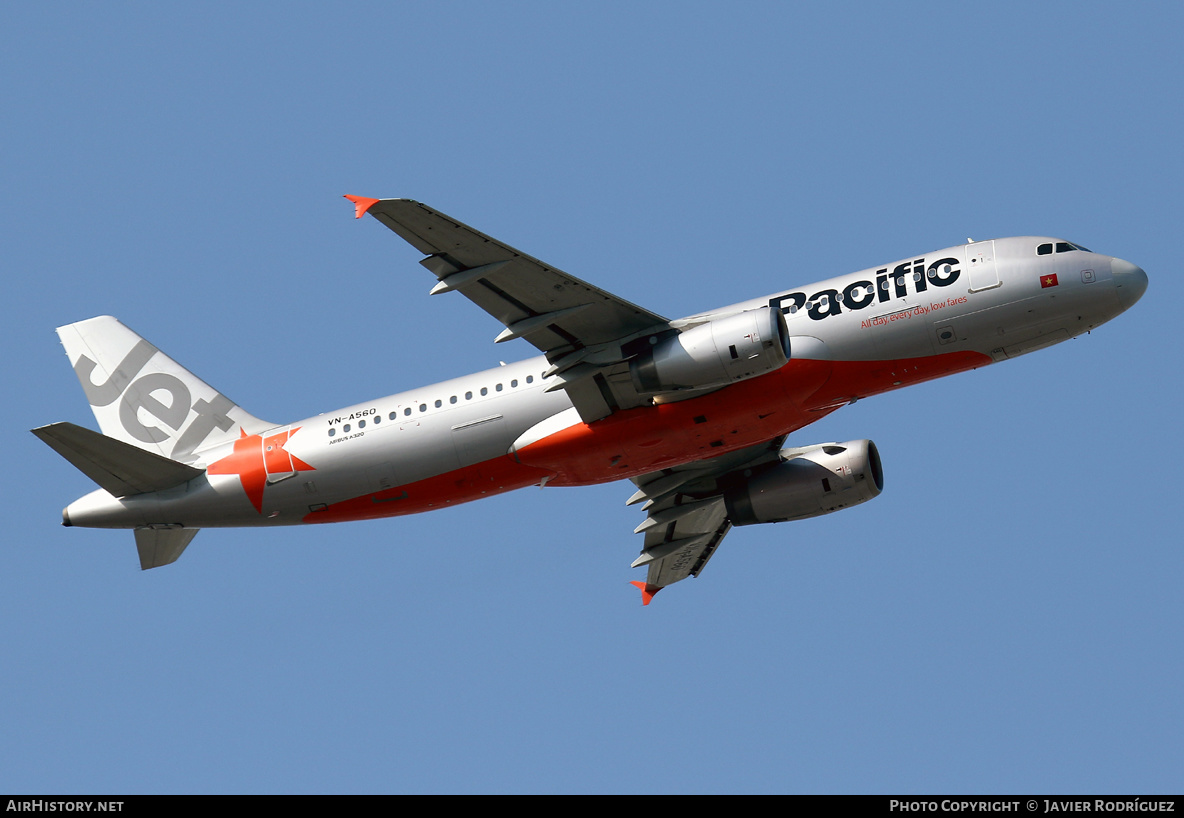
<point x="1130" y="282"/>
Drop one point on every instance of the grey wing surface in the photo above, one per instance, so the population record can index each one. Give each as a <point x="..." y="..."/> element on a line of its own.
<point x="686" y="515"/>
<point x="579" y="327"/>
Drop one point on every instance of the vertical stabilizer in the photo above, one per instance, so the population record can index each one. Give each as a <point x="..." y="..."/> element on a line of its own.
<point x="143" y="397"/>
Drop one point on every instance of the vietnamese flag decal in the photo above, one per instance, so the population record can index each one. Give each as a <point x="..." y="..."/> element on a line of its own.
<point x="1049" y="280"/>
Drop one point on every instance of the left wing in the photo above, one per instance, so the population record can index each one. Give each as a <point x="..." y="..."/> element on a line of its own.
<point x="687" y="518"/>
<point x="580" y="328"/>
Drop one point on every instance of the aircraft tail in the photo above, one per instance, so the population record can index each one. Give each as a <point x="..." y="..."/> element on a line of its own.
<point x="123" y="471"/>
<point x="144" y="398"/>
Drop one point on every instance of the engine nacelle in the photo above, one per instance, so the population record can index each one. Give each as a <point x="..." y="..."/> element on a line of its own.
<point x="720" y="352"/>
<point x="808" y="482"/>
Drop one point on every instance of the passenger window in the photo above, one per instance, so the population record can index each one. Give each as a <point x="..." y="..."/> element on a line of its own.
<point x="361" y="424"/>
<point x="423" y="407"/>
<point x="530" y="378"/>
<point x="407" y="411"/>
<point x="439" y="403"/>
<point x="345" y="428"/>
<point x="484" y="390"/>
<point x="332" y="431"/>
<point x="468" y="395"/>
<point x="514" y="384"/>
<point x="498" y="387"/>
<point x="1044" y="249"/>
<point x="377" y="419"/>
<point x="452" y="399"/>
<point x="395" y="414"/>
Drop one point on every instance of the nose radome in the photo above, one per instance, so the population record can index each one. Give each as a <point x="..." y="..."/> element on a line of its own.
<point x="1130" y="282"/>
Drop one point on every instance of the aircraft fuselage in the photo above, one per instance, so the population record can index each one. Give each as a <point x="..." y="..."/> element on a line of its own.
<point x="850" y="337"/>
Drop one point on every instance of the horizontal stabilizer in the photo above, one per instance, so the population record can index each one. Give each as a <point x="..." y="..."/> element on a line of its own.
<point x="160" y="546"/>
<point x="118" y="467"/>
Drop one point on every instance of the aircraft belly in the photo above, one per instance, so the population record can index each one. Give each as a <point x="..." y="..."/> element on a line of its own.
<point x="649" y="439"/>
<point x="461" y="485"/>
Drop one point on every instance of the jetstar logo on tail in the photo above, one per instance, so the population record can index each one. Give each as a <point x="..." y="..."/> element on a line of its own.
<point x="161" y="395"/>
<point x="259" y="461"/>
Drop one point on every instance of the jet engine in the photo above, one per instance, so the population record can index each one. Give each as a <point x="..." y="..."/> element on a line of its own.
<point x="720" y="352"/>
<point x="806" y="483"/>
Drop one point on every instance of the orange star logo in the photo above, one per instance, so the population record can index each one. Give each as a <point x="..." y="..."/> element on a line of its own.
<point x="258" y="460"/>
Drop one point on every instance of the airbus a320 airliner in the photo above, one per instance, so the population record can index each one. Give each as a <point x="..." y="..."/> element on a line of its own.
<point x="694" y="411"/>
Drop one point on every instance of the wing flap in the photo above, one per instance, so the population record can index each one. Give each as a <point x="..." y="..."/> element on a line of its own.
<point x="686" y="516"/>
<point x="522" y="288"/>
<point x="680" y="549"/>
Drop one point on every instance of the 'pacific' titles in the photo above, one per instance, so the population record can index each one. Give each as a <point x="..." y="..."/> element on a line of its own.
<point x="863" y="293"/>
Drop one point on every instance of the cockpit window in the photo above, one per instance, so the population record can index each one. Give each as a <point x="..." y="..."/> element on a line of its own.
<point x="1062" y="247"/>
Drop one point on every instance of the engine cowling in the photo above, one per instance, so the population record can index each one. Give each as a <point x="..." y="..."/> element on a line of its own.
<point x="808" y="482"/>
<point x="720" y="352"/>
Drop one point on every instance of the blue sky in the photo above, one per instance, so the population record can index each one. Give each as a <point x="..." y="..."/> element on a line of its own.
<point x="1006" y="617"/>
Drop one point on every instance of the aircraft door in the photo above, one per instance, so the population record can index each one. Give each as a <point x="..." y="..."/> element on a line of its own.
<point x="980" y="259"/>
<point x="276" y="460"/>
